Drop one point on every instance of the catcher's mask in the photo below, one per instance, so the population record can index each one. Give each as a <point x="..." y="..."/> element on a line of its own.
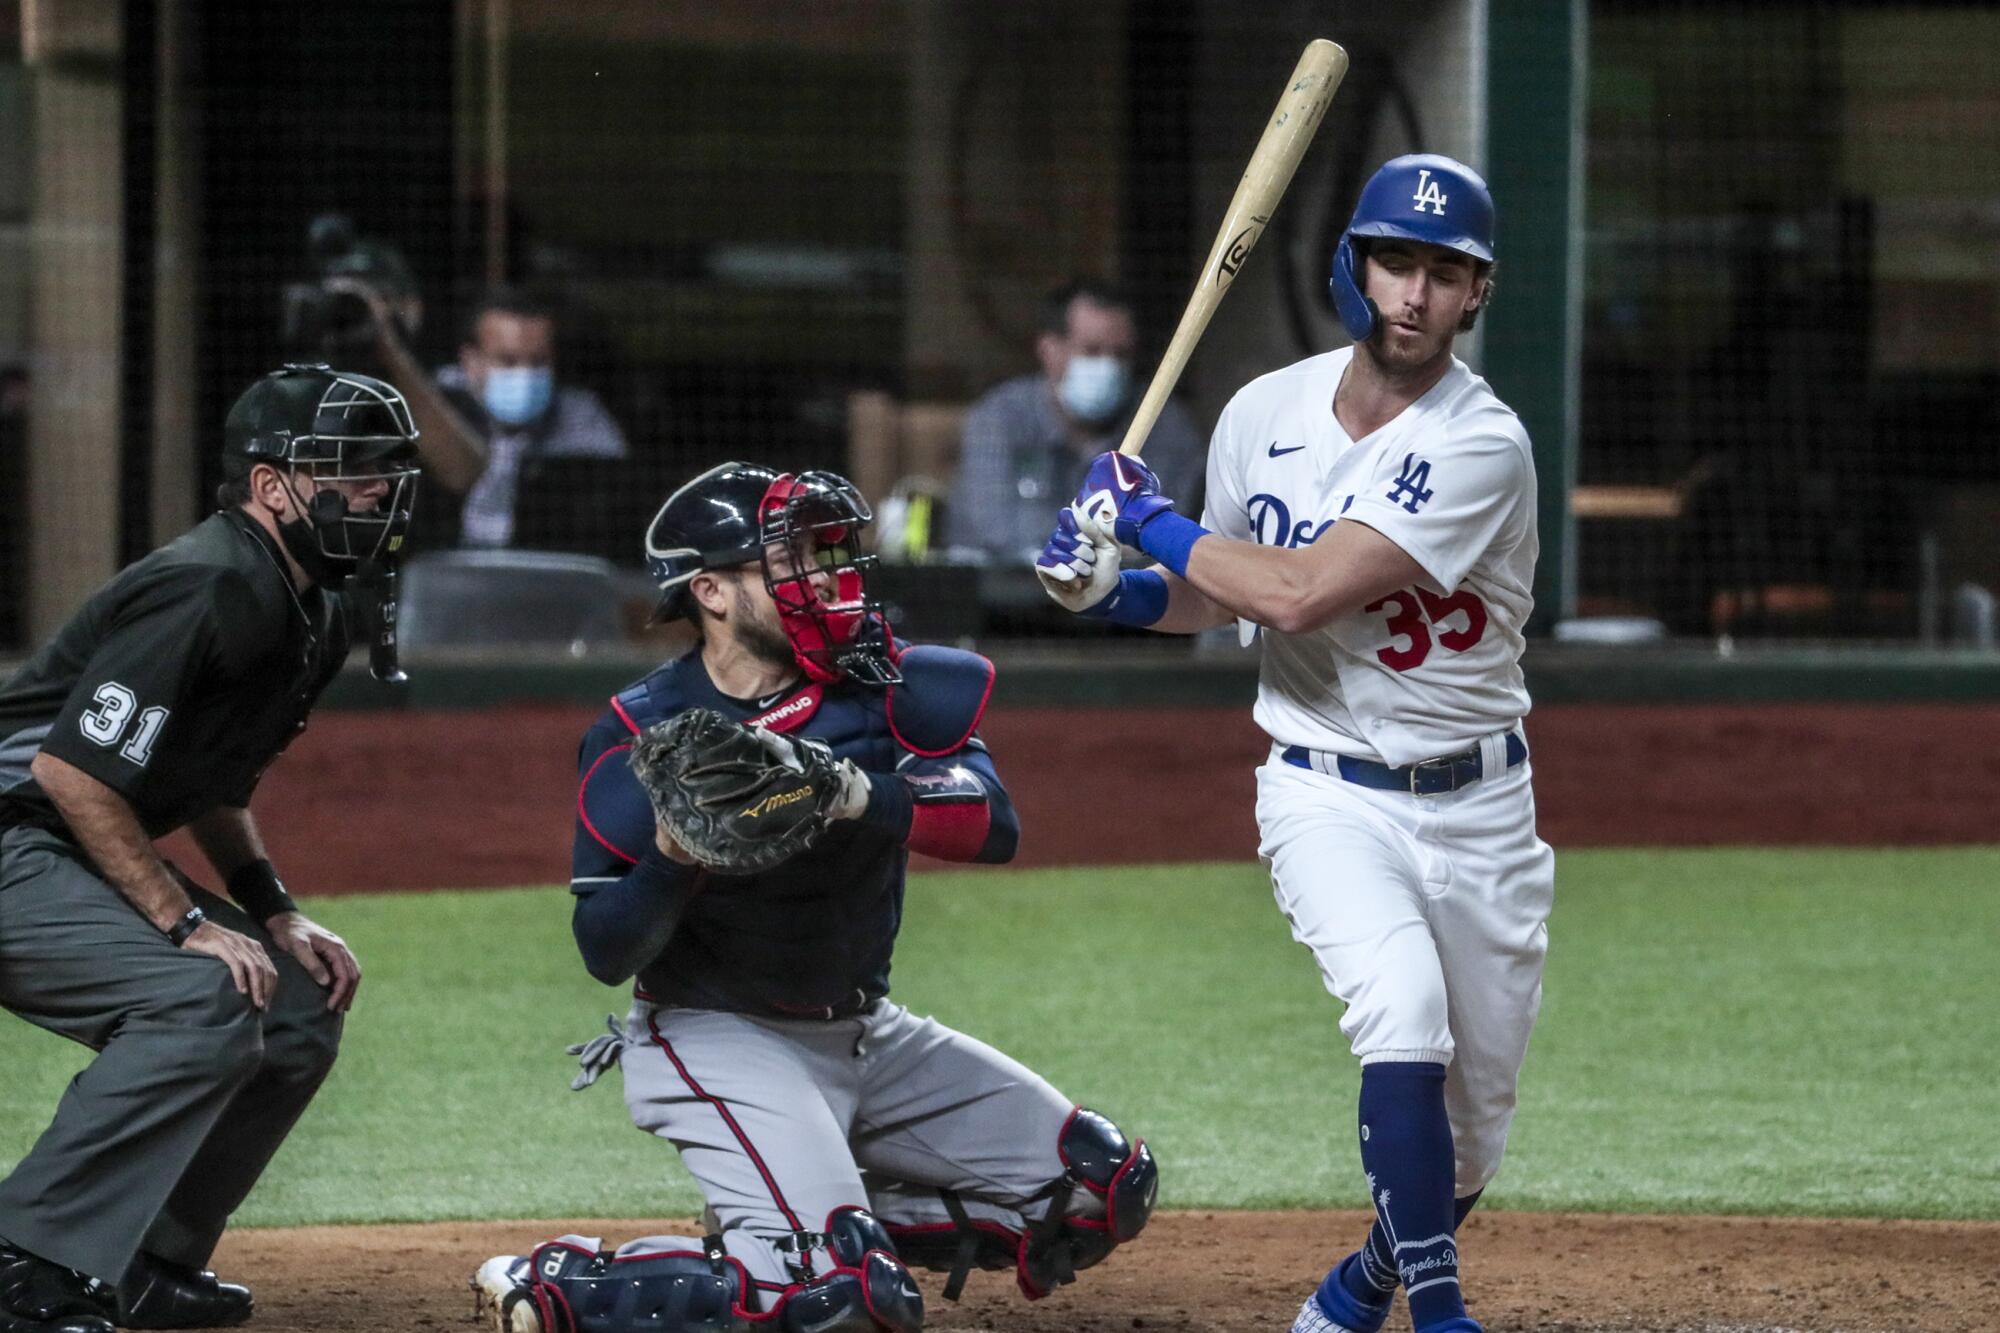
<point x="333" y="426"/>
<point x="802" y="530"/>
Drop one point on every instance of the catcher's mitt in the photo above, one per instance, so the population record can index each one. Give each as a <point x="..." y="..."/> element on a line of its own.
<point x="738" y="799"/>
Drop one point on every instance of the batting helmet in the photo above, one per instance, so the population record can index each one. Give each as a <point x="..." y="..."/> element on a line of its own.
<point x="739" y="514"/>
<point x="1419" y="197"/>
<point x="337" y="425"/>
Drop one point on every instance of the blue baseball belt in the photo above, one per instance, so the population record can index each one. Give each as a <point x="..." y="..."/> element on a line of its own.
<point x="1432" y="777"/>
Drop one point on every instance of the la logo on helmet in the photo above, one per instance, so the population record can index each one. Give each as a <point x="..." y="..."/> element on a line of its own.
<point x="1428" y="194"/>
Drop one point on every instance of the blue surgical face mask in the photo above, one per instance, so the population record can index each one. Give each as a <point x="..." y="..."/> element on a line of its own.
<point x="1093" y="388"/>
<point x="516" y="395"/>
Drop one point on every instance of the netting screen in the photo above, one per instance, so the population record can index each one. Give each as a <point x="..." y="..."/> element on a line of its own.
<point x="602" y="246"/>
<point x="1791" y="348"/>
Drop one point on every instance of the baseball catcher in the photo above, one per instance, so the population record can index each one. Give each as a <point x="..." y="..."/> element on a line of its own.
<point x="745" y="818"/>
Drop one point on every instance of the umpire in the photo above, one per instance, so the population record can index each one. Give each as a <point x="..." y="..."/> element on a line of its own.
<point x="157" y="707"/>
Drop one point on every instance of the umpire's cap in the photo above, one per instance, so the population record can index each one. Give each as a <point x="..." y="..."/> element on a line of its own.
<point x="1419" y="197"/>
<point x="312" y="413"/>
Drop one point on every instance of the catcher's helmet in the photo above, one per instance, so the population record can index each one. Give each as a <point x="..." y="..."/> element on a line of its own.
<point x="1419" y="197"/>
<point x="803" y="531"/>
<point x="336" y="425"/>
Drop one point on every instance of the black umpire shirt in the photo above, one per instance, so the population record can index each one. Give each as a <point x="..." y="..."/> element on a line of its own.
<point x="177" y="682"/>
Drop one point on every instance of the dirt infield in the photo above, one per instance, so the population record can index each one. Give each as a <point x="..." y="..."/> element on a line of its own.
<point x="1247" y="1273"/>
<point x="373" y="801"/>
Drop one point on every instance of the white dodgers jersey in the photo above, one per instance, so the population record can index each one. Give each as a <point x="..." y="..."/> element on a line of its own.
<point x="1429" y="669"/>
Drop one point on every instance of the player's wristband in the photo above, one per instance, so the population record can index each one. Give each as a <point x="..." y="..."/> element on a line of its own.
<point x="1140" y="599"/>
<point x="1168" y="537"/>
<point x="258" y="891"/>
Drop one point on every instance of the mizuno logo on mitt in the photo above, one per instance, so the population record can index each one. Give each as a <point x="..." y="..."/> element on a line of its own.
<point x="776" y="801"/>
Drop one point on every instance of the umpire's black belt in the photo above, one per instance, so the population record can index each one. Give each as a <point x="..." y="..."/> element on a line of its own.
<point x="1432" y="777"/>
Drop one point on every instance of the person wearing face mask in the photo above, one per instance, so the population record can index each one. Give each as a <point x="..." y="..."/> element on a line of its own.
<point x="499" y="418"/>
<point x="1031" y="438"/>
<point x="158" y="707"/>
<point x="505" y="384"/>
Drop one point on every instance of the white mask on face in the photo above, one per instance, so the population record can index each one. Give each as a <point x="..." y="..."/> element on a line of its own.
<point x="1093" y="388"/>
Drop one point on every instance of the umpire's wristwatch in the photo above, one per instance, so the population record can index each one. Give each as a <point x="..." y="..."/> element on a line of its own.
<point x="186" y="926"/>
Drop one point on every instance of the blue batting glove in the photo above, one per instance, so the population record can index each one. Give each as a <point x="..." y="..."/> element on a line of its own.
<point x="1078" y="567"/>
<point x="1120" y="494"/>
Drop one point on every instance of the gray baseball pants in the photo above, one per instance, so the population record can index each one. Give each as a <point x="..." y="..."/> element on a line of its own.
<point x="781" y="1121"/>
<point x="160" y="1138"/>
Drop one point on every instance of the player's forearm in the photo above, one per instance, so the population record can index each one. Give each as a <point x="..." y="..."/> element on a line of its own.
<point x="1189" y="610"/>
<point x="111" y="835"/>
<point x="1264" y="584"/>
<point x="624" y="926"/>
<point x="1298" y="590"/>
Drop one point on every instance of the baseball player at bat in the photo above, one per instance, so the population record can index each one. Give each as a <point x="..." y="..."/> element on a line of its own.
<point x="745" y="818"/>
<point x="1372" y="510"/>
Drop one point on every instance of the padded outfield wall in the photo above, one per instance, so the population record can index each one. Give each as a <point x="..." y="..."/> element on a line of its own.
<point x="471" y="782"/>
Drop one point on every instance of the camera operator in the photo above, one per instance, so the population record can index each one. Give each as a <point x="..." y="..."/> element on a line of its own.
<point x="361" y="308"/>
<point x="529" y="460"/>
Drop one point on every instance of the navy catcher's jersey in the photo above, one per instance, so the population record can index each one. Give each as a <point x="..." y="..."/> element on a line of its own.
<point x="177" y="682"/>
<point x="815" y="933"/>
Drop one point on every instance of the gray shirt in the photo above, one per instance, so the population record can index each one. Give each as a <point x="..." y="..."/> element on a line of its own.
<point x="1017" y="467"/>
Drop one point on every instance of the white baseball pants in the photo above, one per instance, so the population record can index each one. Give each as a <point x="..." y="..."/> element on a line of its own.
<point x="1428" y="917"/>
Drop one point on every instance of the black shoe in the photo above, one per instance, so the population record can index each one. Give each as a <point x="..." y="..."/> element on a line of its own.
<point x="78" y="1323"/>
<point x="37" y="1296"/>
<point x="170" y="1295"/>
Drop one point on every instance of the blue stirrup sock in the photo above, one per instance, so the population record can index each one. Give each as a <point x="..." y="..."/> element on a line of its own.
<point x="1406" y="1150"/>
<point x="1368" y="1275"/>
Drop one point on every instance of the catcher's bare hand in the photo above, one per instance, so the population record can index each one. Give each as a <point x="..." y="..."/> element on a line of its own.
<point x="249" y="964"/>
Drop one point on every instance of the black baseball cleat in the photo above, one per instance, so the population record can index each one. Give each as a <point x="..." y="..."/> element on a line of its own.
<point x="37" y="1296"/>
<point x="170" y="1295"/>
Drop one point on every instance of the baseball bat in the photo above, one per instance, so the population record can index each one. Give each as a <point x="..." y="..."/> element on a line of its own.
<point x="1299" y="113"/>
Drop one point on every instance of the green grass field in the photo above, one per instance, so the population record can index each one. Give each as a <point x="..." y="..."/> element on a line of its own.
<point x="1810" y="1032"/>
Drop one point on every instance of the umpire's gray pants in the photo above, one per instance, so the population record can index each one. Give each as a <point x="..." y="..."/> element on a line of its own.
<point x="160" y="1138"/>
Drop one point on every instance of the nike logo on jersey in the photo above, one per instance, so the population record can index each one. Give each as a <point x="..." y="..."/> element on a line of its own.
<point x="1276" y="452"/>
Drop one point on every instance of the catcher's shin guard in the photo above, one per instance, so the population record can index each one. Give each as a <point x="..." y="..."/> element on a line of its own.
<point x="570" y="1286"/>
<point x="1103" y="1199"/>
<point x="869" y="1292"/>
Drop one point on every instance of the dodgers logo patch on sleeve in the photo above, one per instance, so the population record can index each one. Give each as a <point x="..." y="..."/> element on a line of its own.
<point x="1412" y="488"/>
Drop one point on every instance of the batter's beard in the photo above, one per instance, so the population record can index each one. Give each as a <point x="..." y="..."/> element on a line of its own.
<point x="1403" y="367"/>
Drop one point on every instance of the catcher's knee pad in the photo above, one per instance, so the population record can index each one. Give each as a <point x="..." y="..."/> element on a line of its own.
<point x="1119" y="1183"/>
<point x="868" y="1292"/>
<point x="1103" y="1198"/>
<point x="1120" y="1174"/>
<point x="566" y="1287"/>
